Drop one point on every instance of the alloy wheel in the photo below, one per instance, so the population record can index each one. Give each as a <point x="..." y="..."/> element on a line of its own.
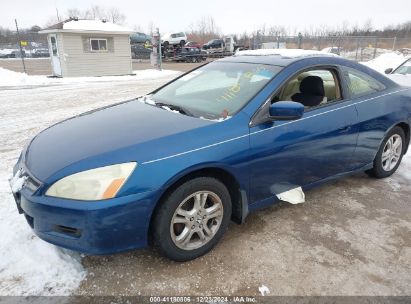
<point x="391" y="154"/>
<point x="196" y="220"/>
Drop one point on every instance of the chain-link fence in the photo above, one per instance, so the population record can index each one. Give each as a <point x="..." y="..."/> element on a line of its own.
<point x="33" y="45"/>
<point x="359" y="48"/>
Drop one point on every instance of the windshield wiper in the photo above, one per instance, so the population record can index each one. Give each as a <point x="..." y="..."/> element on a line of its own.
<point x="174" y="108"/>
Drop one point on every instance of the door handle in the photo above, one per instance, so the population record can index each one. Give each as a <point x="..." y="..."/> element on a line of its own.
<point x="344" y="129"/>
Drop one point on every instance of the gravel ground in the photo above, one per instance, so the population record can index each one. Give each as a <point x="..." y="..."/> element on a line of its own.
<point x="351" y="237"/>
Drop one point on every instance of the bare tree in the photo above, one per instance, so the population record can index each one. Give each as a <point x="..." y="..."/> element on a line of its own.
<point x="5" y="31"/>
<point x="74" y="12"/>
<point x="52" y="20"/>
<point x="204" y="30"/>
<point x="114" y="15"/>
<point x="150" y="27"/>
<point x="95" y="12"/>
<point x="138" y="28"/>
<point x="367" y="27"/>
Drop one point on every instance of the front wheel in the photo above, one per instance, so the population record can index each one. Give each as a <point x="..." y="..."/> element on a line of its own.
<point x="192" y="219"/>
<point x="390" y="154"/>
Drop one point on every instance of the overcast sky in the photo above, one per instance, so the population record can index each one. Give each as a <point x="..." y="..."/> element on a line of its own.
<point x="230" y="16"/>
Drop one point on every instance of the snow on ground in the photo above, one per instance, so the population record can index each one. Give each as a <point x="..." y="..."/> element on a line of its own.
<point x="405" y="167"/>
<point x="28" y="265"/>
<point x="14" y="79"/>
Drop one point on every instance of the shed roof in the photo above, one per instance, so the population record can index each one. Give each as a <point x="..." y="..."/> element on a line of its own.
<point x="74" y="25"/>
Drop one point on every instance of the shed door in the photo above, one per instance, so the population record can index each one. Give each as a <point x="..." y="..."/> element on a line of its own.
<point x="55" y="60"/>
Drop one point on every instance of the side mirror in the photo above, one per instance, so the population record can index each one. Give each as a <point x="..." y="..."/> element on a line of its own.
<point x="286" y="110"/>
<point x="388" y="71"/>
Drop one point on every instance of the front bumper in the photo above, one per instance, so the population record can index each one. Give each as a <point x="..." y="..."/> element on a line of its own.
<point x="100" y="227"/>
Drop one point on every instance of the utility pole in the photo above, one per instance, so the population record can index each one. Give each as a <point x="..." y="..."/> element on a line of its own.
<point x="21" y="50"/>
<point x="160" y="65"/>
<point x="57" y="12"/>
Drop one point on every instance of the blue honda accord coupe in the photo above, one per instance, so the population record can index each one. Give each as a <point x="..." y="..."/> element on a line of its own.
<point x="172" y="168"/>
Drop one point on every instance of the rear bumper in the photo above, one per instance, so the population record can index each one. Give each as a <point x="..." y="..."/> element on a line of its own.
<point x="101" y="227"/>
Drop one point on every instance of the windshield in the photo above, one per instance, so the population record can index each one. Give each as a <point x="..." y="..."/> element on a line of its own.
<point x="217" y="90"/>
<point x="405" y="68"/>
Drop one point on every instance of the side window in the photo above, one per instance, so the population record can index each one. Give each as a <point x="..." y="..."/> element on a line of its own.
<point x="405" y="68"/>
<point x="98" y="45"/>
<point x="312" y="88"/>
<point x="360" y="84"/>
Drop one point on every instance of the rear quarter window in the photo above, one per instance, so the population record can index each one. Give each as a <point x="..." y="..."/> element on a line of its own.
<point x="360" y="84"/>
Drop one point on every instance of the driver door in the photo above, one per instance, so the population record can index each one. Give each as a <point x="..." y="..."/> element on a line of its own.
<point x="290" y="154"/>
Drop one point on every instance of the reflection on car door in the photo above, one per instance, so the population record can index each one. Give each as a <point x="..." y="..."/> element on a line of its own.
<point x="288" y="154"/>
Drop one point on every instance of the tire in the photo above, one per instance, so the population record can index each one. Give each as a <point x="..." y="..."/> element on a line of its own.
<point x="182" y="42"/>
<point x="390" y="154"/>
<point x="177" y="216"/>
<point x="165" y="44"/>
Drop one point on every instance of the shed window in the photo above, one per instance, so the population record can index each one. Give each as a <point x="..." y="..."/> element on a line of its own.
<point x="98" y="45"/>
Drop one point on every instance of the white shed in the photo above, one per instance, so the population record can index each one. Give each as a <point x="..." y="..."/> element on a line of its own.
<point x="89" y="48"/>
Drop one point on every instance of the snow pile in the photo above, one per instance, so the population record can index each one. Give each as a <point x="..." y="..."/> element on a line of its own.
<point x="364" y="54"/>
<point x="13" y="79"/>
<point x="28" y="265"/>
<point x="17" y="183"/>
<point x="292" y="53"/>
<point x="385" y="61"/>
<point x="8" y="77"/>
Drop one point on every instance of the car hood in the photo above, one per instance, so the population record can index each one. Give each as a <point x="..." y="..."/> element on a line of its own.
<point x="100" y="132"/>
<point x="403" y="80"/>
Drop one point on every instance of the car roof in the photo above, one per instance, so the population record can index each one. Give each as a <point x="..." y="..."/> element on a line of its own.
<point x="278" y="57"/>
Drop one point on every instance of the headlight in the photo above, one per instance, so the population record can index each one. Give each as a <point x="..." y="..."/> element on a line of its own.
<point x="95" y="184"/>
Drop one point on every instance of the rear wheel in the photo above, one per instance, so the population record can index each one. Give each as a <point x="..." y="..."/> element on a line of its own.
<point x="192" y="219"/>
<point x="390" y="154"/>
